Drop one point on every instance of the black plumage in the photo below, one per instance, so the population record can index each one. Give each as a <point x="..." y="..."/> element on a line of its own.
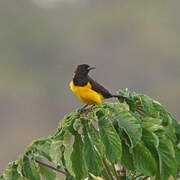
<point x="81" y="78"/>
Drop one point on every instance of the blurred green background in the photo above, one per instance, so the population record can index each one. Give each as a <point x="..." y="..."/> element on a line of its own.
<point x="133" y="44"/>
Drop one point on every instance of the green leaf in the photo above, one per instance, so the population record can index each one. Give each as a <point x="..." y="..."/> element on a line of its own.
<point x="41" y="146"/>
<point x="11" y="172"/>
<point x="150" y="143"/>
<point x="162" y="113"/>
<point x="47" y="173"/>
<point x="91" y="155"/>
<point x="95" y="137"/>
<point x="30" y="169"/>
<point x="147" y="103"/>
<point x="67" y="152"/>
<point x="150" y="139"/>
<point x="143" y="160"/>
<point x="77" y="158"/>
<point x="162" y="150"/>
<point x="177" y="156"/>
<point x="130" y="99"/>
<point x="152" y="124"/>
<point x="60" y="152"/>
<point x="56" y="153"/>
<point x="170" y="133"/>
<point x="2" y="178"/>
<point x="130" y="125"/>
<point x="110" y="138"/>
<point x="67" y="124"/>
<point x="127" y="158"/>
<point x="20" y="163"/>
<point x="167" y="163"/>
<point x="176" y="125"/>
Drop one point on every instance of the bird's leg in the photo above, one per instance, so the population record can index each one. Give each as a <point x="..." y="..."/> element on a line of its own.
<point x="91" y="107"/>
<point x="83" y="108"/>
<point x="86" y="111"/>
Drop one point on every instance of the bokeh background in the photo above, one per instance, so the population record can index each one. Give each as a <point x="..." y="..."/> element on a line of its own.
<point x="133" y="44"/>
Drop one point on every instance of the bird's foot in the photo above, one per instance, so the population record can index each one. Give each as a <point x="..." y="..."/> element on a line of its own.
<point x="90" y="108"/>
<point x="86" y="110"/>
<point x="82" y="109"/>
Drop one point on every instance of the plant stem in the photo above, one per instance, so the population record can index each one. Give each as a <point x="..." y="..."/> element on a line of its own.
<point x="114" y="169"/>
<point x="51" y="167"/>
<point x="107" y="168"/>
<point x="123" y="174"/>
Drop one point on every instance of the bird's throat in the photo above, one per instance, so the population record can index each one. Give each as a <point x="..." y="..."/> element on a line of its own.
<point x="80" y="80"/>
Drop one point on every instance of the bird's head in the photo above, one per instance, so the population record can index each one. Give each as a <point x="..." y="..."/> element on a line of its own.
<point x="83" y="69"/>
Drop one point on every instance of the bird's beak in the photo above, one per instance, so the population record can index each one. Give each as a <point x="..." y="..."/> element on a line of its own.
<point x="91" y="68"/>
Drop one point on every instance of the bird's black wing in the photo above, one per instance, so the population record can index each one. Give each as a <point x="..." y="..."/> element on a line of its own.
<point x="99" y="88"/>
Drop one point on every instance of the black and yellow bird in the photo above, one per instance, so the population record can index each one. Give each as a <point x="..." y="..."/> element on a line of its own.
<point x="87" y="90"/>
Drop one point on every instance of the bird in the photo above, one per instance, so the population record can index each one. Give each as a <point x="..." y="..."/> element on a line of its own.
<point x="87" y="89"/>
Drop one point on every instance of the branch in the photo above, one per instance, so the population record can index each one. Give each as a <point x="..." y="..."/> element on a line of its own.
<point x="107" y="168"/>
<point x="116" y="174"/>
<point x="123" y="173"/>
<point x="51" y="167"/>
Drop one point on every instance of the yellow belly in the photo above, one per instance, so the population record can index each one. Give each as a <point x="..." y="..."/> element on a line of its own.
<point x="86" y="94"/>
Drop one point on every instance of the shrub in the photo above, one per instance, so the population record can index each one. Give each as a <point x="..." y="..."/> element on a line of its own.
<point x="135" y="139"/>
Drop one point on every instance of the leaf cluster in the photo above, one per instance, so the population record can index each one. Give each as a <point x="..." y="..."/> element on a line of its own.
<point x="133" y="139"/>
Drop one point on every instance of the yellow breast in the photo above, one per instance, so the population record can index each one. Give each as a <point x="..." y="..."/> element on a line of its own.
<point x="86" y="94"/>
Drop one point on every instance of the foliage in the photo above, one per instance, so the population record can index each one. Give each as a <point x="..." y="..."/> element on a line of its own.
<point x="133" y="139"/>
